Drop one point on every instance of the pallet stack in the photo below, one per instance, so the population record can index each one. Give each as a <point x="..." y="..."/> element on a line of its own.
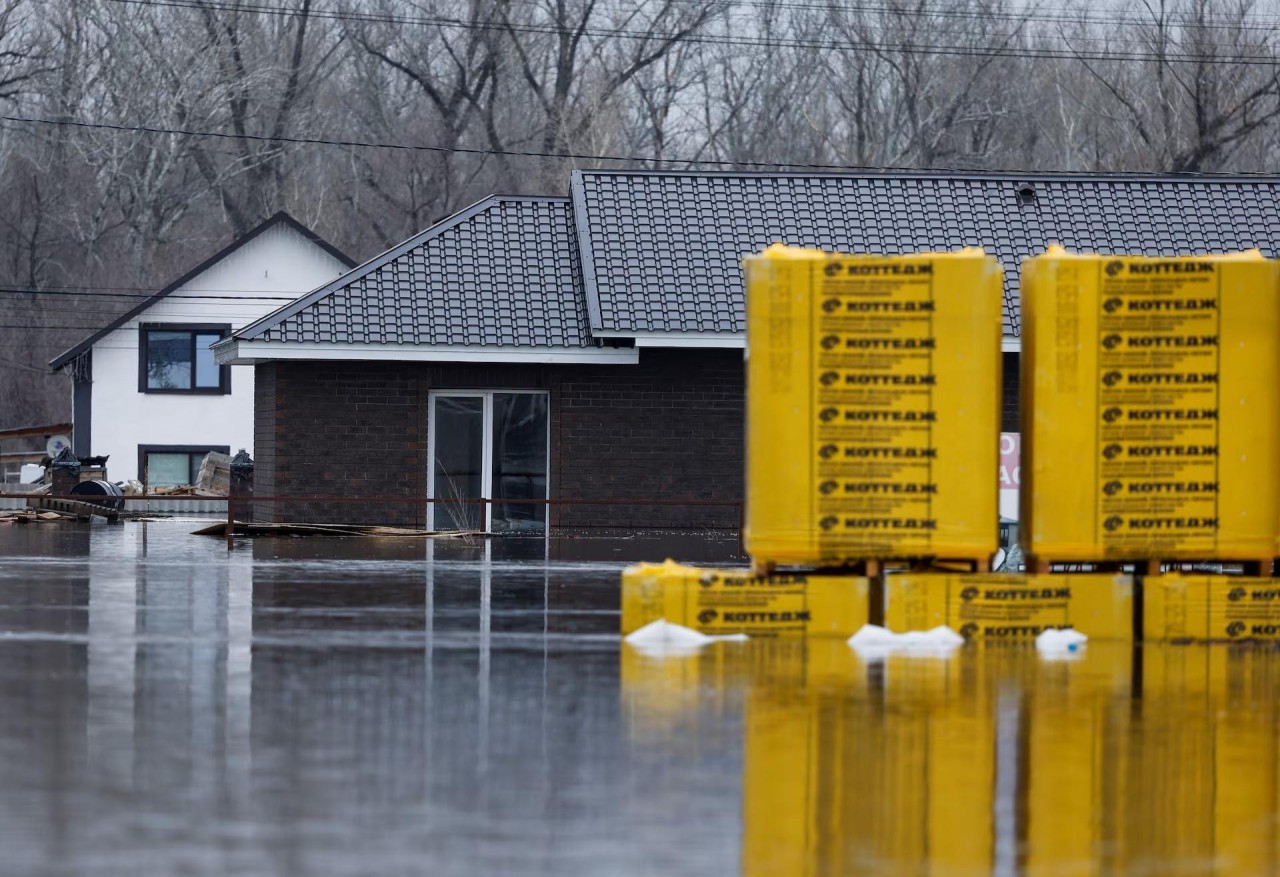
<point x="873" y="408"/>
<point x="1150" y="430"/>
<point x="873" y="422"/>
<point x="1151" y="426"/>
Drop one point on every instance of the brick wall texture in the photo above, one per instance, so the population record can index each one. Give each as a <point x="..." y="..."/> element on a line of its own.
<point x="670" y="428"/>
<point x="1011" y="383"/>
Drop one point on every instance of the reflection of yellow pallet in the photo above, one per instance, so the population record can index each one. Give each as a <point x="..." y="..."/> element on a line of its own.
<point x="718" y="601"/>
<point x="1116" y="765"/>
<point x="1011" y="607"/>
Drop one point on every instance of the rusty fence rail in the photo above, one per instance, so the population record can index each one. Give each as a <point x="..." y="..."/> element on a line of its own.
<point x="244" y="501"/>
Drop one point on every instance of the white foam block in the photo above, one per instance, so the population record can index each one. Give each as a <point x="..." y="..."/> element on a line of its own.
<point x="872" y="640"/>
<point x="1058" y="643"/>
<point x="663" y="637"/>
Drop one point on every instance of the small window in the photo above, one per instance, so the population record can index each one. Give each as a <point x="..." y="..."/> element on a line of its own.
<point x="177" y="359"/>
<point x="172" y="466"/>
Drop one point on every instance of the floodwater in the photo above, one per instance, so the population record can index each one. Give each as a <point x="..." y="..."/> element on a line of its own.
<point x="317" y="707"/>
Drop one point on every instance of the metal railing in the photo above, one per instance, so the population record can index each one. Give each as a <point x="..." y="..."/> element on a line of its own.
<point x="244" y="502"/>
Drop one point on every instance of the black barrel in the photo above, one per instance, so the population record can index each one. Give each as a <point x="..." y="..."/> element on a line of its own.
<point x="105" y="494"/>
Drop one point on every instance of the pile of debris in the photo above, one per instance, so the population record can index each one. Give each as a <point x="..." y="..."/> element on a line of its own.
<point x="32" y="516"/>
<point x="214" y="480"/>
<point x="184" y="490"/>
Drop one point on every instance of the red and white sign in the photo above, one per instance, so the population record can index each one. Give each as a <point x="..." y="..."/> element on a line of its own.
<point x="1010" y="473"/>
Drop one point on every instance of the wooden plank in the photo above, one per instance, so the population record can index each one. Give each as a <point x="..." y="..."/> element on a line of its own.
<point x="75" y="507"/>
<point x="245" y="528"/>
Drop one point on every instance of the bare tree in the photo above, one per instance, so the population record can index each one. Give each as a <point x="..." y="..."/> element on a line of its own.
<point x="266" y="95"/>
<point x="450" y="68"/>
<point x="940" y="99"/>
<point x="1208" y="81"/>
<point x="576" y="57"/>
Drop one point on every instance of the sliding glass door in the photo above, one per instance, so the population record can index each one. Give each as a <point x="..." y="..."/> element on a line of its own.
<point x="493" y="445"/>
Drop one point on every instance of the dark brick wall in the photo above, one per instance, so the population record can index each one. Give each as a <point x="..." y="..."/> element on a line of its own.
<point x="1009" y="408"/>
<point x="341" y="429"/>
<point x="264" y="436"/>
<point x="669" y="428"/>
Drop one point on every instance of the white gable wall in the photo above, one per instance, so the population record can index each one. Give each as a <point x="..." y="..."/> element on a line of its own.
<point x="278" y="262"/>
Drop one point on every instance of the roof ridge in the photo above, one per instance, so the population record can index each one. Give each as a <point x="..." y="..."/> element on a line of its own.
<point x="951" y="174"/>
<point x="277" y="218"/>
<point x="493" y="274"/>
<point x="659" y="249"/>
<point x="278" y="316"/>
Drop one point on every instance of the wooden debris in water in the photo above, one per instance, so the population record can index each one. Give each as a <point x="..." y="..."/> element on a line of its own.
<point x="74" y="508"/>
<point x="32" y="516"/>
<point x="186" y="490"/>
<point x="243" y="528"/>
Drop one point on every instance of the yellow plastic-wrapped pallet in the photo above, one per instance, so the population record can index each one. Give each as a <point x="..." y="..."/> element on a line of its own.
<point x="1005" y="607"/>
<point x="1201" y="608"/>
<point x="1151" y="407"/>
<point x="734" y="601"/>
<point x="873" y="406"/>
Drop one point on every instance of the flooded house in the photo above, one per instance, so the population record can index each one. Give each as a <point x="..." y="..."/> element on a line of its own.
<point x="589" y="350"/>
<point x="146" y="391"/>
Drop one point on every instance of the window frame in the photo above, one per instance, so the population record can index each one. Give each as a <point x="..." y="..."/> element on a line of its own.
<point x="144" y="344"/>
<point x="143" y="450"/>
<point x="486" y="395"/>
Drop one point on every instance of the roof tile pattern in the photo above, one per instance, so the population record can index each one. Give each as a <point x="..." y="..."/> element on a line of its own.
<point x="662" y="252"/>
<point x="503" y="273"/>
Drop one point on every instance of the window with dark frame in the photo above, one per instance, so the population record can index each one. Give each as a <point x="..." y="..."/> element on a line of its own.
<point x="172" y="465"/>
<point x="176" y="358"/>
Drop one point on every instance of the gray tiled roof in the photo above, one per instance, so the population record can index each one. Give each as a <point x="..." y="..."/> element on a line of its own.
<point x="662" y="251"/>
<point x="502" y="273"/>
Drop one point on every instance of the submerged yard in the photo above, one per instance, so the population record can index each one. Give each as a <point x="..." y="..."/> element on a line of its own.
<point x="351" y="706"/>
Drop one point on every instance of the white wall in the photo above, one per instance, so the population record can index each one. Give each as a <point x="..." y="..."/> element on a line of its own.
<point x="279" y="262"/>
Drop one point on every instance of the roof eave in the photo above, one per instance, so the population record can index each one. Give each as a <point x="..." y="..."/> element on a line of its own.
<point x="714" y="340"/>
<point x="240" y="351"/>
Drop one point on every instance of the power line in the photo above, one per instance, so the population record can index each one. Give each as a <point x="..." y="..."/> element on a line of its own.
<point x="626" y="159"/>
<point x="13" y="363"/>
<point x="413" y="147"/>
<point x="48" y="328"/>
<point x="1112" y="15"/>
<point x="91" y="292"/>
<point x="696" y="38"/>
<point x="1225" y="21"/>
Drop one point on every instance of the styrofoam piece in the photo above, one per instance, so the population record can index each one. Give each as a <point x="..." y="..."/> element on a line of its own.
<point x="874" y="641"/>
<point x="1060" y="643"/>
<point x="662" y="637"/>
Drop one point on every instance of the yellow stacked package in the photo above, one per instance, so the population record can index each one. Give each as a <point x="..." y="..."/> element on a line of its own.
<point x="1151" y="407"/>
<point x="1202" y="608"/>
<point x="719" y="602"/>
<point x="873" y="406"/>
<point x="1011" y="607"/>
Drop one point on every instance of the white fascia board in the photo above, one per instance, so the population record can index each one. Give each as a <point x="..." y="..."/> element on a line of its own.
<point x="680" y="339"/>
<point x="240" y="352"/>
<point x="1008" y="343"/>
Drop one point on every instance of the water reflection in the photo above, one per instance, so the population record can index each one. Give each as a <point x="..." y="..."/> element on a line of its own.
<point x="992" y="762"/>
<point x="352" y="706"/>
